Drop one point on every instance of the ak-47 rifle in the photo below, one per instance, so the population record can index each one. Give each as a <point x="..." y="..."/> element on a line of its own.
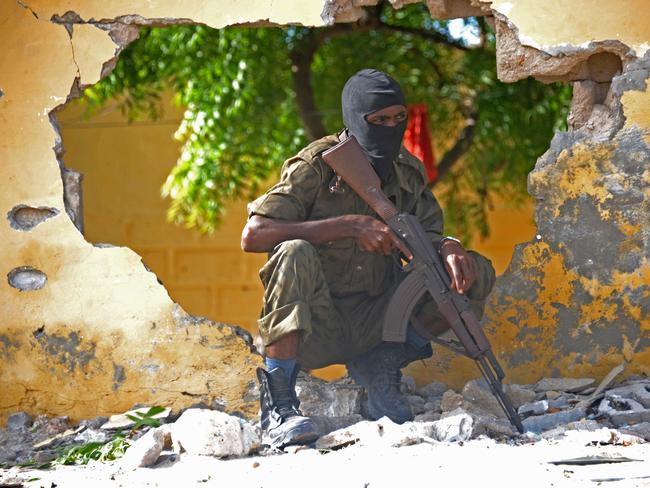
<point x="425" y="274"/>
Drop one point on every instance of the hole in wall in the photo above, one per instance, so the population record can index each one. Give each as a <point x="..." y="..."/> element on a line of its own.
<point x="124" y="166"/>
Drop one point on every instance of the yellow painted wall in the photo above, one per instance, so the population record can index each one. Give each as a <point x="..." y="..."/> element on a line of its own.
<point x="124" y="166"/>
<point x="102" y="334"/>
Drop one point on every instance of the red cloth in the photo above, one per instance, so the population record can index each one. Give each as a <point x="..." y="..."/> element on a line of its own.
<point x="417" y="139"/>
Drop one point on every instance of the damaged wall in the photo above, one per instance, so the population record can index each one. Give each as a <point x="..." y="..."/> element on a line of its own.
<point x="575" y="301"/>
<point x="87" y="330"/>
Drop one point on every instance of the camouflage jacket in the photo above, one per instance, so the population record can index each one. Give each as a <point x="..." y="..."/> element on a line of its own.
<point x="304" y="193"/>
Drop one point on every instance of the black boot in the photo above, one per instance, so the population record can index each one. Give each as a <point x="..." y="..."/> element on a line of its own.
<point x="283" y="424"/>
<point x="378" y="371"/>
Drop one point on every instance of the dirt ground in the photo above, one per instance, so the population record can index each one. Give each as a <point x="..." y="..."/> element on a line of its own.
<point x="480" y="462"/>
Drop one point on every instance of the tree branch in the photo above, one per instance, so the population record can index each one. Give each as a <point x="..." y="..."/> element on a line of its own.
<point x="425" y="34"/>
<point x="460" y="147"/>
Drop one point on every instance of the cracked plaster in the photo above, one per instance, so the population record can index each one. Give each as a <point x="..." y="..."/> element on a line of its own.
<point x="147" y="349"/>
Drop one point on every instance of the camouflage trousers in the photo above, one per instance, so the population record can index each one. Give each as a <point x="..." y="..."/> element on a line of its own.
<point x="334" y="330"/>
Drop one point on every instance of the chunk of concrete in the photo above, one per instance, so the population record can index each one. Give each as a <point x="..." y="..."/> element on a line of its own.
<point x="432" y="390"/>
<point x="538" y="424"/>
<point x="408" y="385"/>
<point x="454" y="428"/>
<point x="145" y="451"/>
<point x="19" y="421"/>
<point x="213" y="433"/>
<point x="569" y="385"/>
<point x="620" y="419"/>
<point x="451" y="401"/>
<point x="641" y="429"/>
<point x="328" y="398"/>
<point x="417" y="404"/>
<point x="535" y="408"/>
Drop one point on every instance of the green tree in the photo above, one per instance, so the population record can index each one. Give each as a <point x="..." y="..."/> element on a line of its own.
<point x="253" y="97"/>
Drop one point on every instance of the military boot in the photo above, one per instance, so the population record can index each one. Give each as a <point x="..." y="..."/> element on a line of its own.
<point x="378" y="371"/>
<point x="283" y="424"/>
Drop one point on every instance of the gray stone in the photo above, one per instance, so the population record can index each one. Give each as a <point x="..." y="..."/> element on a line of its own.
<point x="458" y="426"/>
<point x="19" y="421"/>
<point x="451" y="401"/>
<point x="328" y="399"/>
<point x="92" y="435"/>
<point x="549" y="421"/>
<point x="569" y="385"/>
<point x="94" y="423"/>
<point x="417" y="404"/>
<point x="122" y="421"/>
<point x="636" y="391"/>
<point x="519" y="394"/>
<point x="536" y="408"/>
<point x="561" y="430"/>
<point x="145" y="451"/>
<point x="214" y="433"/>
<point x="629" y="418"/>
<point x="58" y="438"/>
<point x="325" y="425"/>
<point x="615" y="403"/>
<point x="558" y="402"/>
<point x="552" y="395"/>
<point x="433" y="389"/>
<point x="408" y="385"/>
<point x="641" y="430"/>
<point x="480" y="398"/>
<point x="433" y="405"/>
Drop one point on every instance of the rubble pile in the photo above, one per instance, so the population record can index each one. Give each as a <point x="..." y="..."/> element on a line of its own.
<point x="550" y="409"/>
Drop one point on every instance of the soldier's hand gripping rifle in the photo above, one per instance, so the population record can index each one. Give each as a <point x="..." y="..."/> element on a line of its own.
<point x="426" y="274"/>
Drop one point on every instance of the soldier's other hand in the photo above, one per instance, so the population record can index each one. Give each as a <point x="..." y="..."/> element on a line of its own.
<point x="372" y="235"/>
<point x="460" y="265"/>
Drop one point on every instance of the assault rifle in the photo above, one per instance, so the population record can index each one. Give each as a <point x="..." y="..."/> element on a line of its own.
<point x="425" y="274"/>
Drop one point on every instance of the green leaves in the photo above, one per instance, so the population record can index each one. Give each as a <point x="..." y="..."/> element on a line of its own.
<point x="95" y="451"/>
<point x="242" y="121"/>
<point x="142" y="419"/>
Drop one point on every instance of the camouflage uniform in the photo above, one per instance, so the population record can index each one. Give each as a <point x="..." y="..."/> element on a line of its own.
<point x="335" y="292"/>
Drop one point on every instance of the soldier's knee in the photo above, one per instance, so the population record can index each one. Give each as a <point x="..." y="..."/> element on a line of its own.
<point x="297" y="249"/>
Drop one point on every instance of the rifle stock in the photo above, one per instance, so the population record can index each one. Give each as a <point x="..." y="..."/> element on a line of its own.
<point x="425" y="274"/>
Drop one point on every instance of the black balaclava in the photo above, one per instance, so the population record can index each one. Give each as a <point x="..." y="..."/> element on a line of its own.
<point x="366" y="92"/>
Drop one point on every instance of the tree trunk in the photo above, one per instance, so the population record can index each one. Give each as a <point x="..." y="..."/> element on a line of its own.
<point x="301" y="57"/>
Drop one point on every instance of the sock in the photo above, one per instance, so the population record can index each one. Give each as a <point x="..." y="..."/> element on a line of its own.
<point x="415" y="339"/>
<point x="287" y="365"/>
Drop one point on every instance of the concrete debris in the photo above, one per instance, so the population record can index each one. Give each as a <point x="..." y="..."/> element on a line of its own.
<point x="433" y="389"/>
<point x="620" y="419"/>
<point x="569" y="385"/>
<point x="19" y="421"/>
<point x="122" y="421"/>
<point x="417" y="404"/>
<point x="536" y="408"/>
<point x="57" y="439"/>
<point x="408" y="385"/>
<point x="329" y="399"/>
<point x="457" y="427"/>
<point x="451" y="401"/>
<point x="212" y="433"/>
<point x="145" y="451"/>
<point x="641" y="430"/>
<point x="616" y="403"/>
<point x="538" y="424"/>
<point x="618" y="416"/>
